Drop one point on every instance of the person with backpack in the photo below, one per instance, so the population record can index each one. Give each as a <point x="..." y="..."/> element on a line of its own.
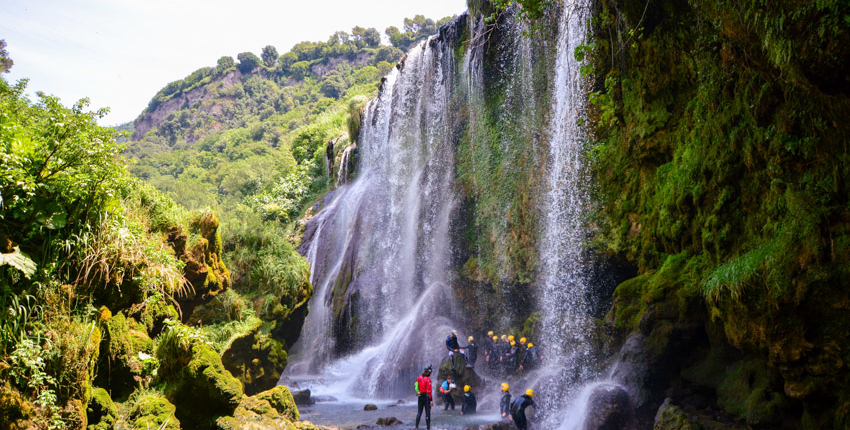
<point x="424" y="398"/>
<point x="446" y="391"/>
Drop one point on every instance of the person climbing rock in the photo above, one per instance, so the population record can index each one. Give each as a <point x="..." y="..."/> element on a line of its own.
<point x="446" y="391"/>
<point x="469" y="402"/>
<point x="329" y="153"/>
<point x="453" y="347"/>
<point x="518" y="409"/>
<point x="513" y="358"/>
<point x="505" y="402"/>
<point x="424" y="398"/>
<point x="471" y="352"/>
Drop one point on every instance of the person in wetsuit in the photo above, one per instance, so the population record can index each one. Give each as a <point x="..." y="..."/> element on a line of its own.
<point x="424" y="398"/>
<point x="469" y="402"/>
<point x="453" y="347"/>
<point x="518" y="409"/>
<point x="505" y="402"/>
<point x="471" y="352"/>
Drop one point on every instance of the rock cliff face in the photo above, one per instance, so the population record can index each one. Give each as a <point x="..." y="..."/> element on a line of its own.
<point x="192" y="99"/>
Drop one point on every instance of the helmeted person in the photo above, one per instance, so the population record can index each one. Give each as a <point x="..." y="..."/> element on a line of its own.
<point x="518" y="409"/>
<point x="469" y="402"/>
<point x="446" y="391"/>
<point x="453" y="347"/>
<point x="531" y="358"/>
<point x="471" y="352"/>
<point x="505" y="401"/>
<point x="523" y="345"/>
<point x="513" y="358"/>
<point x="424" y="398"/>
<point x="487" y="346"/>
<point x="493" y="357"/>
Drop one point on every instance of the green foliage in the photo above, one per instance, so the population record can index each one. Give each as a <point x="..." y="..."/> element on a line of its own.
<point x="248" y="62"/>
<point x="269" y="56"/>
<point x="6" y="63"/>
<point x="27" y="370"/>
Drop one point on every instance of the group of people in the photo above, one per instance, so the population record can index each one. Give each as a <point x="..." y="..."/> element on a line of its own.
<point x="514" y="410"/>
<point x="504" y="356"/>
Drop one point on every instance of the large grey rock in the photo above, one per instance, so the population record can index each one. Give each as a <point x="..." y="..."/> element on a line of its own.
<point x="370" y="407"/>
<point x="608" y="408"/>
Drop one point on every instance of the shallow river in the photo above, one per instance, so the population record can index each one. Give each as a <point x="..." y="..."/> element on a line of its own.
<point x="349" y="415"/>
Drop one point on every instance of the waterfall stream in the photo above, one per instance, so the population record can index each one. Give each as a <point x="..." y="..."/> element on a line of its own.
<point x="381" y="246"/>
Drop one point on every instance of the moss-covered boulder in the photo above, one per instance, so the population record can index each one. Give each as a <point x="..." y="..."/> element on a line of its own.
<point x="156" y="310"/>
<point x="672" y="417"/>
<point x="152" y="411"/>
<point x="256" y="359"/>
<point x="749" y="392"/>
<point x="119" y="366"/>
<point x="195" y="379"/>
<point x="203" y="264"/>
<point x="272" y="409"/>
<point x="16" y="411"/>
<point x="101" y="411"/>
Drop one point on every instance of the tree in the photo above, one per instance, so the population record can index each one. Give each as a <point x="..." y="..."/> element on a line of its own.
<point x="389" y="54"/>
<point x="364" y="37"/>
<point x="224" y="64"/>
<point x="269" y="56"/>
<point x="300" y="69"/>
<point x="339" y="38"/>
<point x="334" y="85"/>
<point x="6" y="63"/>
<point x="247" y="62"/>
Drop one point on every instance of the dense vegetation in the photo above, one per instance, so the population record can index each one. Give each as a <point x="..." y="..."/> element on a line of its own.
<point x="721" y="154"/>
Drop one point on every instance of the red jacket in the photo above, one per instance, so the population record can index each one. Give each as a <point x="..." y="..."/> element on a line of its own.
<point x="423" y="385"/>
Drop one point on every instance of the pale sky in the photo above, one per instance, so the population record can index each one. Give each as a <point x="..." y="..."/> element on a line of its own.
<point x="119" y="53"/>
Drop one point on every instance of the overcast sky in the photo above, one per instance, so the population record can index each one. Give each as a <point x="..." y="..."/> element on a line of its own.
<point x="119" y="53"/>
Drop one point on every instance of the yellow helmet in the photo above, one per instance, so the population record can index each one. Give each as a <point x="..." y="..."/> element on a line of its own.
<point x="505" y="386"/>
<point x="530" y="344"/>
<point x="470" y="338"/>
<point x="466" y="388"/>
<point x="529" y="392"/>
<point x="511" y="337"/>
<point x="523" y="340"/>
<point x="513" y="343"/>
<point x="504" y="336"/>
<point x="490" y="333"/>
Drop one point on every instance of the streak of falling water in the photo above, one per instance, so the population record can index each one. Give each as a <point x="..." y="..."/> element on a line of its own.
<point x="387" y="234"/>
<point x="566" y="323"/>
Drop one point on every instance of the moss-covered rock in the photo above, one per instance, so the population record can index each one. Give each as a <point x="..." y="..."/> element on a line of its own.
<point x="256" y="360"/>
<point x="672" y="417"/>
<point x="195" y="379"/>
<point x="101" y="411"/>
<point x="15" y="409"/>
<point x="272" y="409"/>
<point x="118" y="363"/>
<point x="152" y="411"/>
<point x="747" y="392"/>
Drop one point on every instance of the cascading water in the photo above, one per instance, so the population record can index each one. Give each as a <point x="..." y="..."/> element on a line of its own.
<point x="381" y="247"/>
<point x="382" y="244"/>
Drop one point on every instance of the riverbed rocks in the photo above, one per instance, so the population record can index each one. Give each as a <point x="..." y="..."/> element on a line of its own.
<point x="389" y="422"/>
<point x="370" y="407"/>
<point x="501" y="425"/>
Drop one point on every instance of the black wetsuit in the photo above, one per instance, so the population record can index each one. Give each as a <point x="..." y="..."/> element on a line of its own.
<point x="469" y="403"/>
<point x="471" y="353"/>
<point x="529" y="360"/>
<point x="505" y="404"/>
<point x="518" y="411"/>
<point x="423" y="400"/>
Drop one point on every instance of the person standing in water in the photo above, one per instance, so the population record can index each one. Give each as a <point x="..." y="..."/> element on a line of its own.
<point x="469" y="402"/>
<point x="518" y="409"/>
<point x="505" y="402"/>
<point x="424" y="398"/>
<point x="446" y="391"/>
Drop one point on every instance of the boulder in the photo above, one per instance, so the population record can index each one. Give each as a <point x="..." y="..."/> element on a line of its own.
<point x="370" y="407"/>
<point x="151" y="411"/>
<point x="303" y="398"/>
<point x="608" y="408"/>
<point x="501" y="425"/>
<point x="272" y="409"/>
<point x="389" y="422"/>
<point x="101" y="412"/>
<point x="671" y="417"/>
<point x="195" y="379"/>
<point x="256" y="359"/>
<point x="118" y="354"/>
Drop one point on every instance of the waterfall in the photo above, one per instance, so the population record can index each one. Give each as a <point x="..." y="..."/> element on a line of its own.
<point x="344" y="163"/>
<point x="381" y="244"/>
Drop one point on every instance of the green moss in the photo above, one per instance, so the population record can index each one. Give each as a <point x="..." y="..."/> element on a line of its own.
<point x="256" y="359"/>
<point x="101" y="411"/>
<point x="280" y="398"/>
<point x="746" y="393"/>
<point x="118" y="357"/>
<point x="152" y="411"/>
